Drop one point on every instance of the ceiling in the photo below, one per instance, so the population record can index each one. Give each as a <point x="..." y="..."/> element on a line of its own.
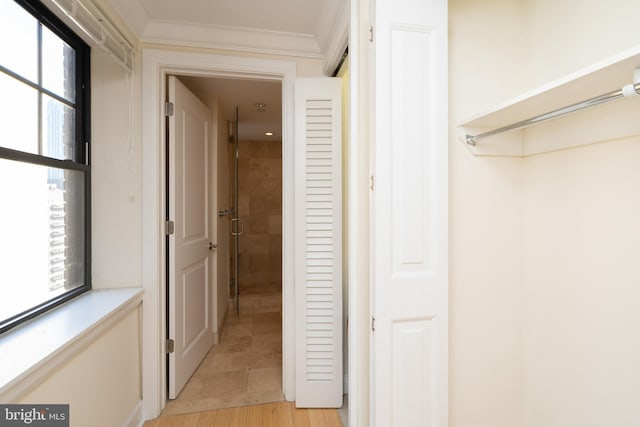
<point x="295" y="16"/>
<point x="244" y="94"/>
<point x="303" y="28"/>
<point x="315" y="29"/>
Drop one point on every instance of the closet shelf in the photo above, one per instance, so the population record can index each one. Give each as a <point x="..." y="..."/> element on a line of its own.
<point x="613" y="120"/>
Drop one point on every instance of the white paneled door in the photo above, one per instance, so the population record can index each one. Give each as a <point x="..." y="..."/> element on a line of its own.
<point x="318" y="243"/>
<point x="189" y="244"/>
<point x="409" y="222"/>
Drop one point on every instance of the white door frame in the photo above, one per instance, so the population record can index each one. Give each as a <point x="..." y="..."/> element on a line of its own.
<point x="156" y="65"/>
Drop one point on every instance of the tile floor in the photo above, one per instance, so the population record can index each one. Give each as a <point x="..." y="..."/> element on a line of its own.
<point x="245" y="368"/>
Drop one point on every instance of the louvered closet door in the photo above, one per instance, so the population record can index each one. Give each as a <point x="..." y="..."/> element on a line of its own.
<point x="318" y="231"/>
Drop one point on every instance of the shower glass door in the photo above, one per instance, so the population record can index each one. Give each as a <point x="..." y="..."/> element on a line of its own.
<point x="237" y="227"/>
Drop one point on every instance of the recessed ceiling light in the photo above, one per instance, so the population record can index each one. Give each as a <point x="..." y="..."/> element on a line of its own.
<point x="268" y="133"/>
<point x="261" y="107"/>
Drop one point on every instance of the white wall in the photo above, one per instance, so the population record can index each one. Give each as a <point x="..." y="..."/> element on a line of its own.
<point x="581" y="317"/>
<point x="543" y="324"/>
<point x="102" y="384"/>
<point x="485" y="223"/>
<point x="115" y="173"/>
<point x="564" y="36"/>
<point x="358" y="211"/>
<point x="581" y="240"/>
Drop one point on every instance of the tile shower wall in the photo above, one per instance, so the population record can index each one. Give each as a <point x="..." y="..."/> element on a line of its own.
<point x="260" y="206"/>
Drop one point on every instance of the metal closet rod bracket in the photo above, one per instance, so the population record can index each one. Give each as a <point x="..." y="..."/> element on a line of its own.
<point x="628" y="91"/>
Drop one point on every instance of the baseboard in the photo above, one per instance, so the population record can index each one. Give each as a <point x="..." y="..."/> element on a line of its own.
<point x="135" y="418"/>
<point x="231" y="305"/>
<point x="218" y="334"/>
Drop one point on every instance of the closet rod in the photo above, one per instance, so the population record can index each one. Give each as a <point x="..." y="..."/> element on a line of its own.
<point x="627" y="91"/>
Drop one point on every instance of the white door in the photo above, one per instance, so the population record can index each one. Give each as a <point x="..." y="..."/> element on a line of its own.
<point x="409" y="214"/>
<point x="189" y="245"/>
<point x="318" y="242"/>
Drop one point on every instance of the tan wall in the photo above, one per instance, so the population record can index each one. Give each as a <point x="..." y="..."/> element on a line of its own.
<point x="260" y="209"/>
<point x="102" y="384"/>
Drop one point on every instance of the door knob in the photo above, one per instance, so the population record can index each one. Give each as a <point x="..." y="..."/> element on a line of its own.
<point x="212" y="246"/>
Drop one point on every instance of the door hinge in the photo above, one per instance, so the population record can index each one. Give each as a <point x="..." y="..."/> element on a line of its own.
<point x="171" y="346"/>
<point x="169" y="228"/>
<point x="371" y="33"/>
<point x="372" y="182"/>
<point x="373" y="323"/>
<point x="168" y="109"/>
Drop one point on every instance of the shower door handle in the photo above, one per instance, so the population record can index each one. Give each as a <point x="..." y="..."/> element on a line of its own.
<point x="239" y="227"/>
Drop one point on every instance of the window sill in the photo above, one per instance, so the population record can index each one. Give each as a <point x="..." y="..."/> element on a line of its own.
<point x="31" y="352"/>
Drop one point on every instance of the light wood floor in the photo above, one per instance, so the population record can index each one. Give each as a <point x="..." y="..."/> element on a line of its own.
<point x="279" y="414"/>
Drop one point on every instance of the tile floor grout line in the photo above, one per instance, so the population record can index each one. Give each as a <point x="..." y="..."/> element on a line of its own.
<point x="233" y="373"/>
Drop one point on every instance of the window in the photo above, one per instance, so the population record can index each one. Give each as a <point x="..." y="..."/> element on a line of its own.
<point x="44" y="162"/>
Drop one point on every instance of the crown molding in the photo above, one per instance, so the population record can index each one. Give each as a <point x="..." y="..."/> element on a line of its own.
<point x="328" y="42"/>
<point x="332" y="34"/>
<point x="231" y="38"/>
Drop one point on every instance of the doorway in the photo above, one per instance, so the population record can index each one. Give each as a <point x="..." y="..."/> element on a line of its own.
<point x="246" y="364"/>
<point x="157" y="64"/>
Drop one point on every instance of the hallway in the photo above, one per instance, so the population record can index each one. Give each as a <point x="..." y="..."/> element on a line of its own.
<point x="245" y="368"/>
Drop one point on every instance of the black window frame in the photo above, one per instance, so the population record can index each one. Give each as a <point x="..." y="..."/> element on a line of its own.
<point x="82" y="143"/>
